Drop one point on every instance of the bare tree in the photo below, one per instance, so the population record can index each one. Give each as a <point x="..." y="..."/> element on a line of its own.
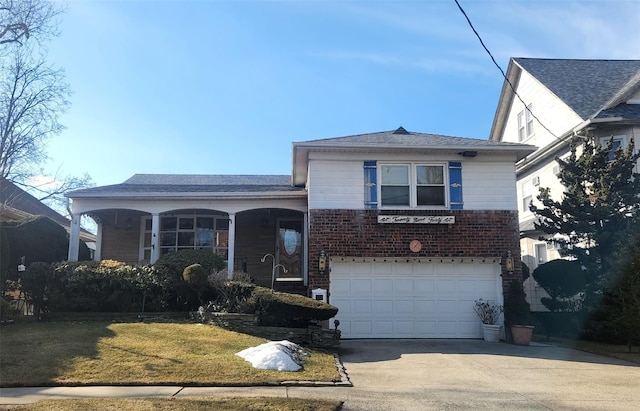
<point x="32" y="97"/>
<point x="24" y="19"/>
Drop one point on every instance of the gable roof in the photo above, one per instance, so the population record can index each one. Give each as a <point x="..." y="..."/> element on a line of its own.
<point x="17" y="204"/>
<point x="192" y="185"/>
<point x="399" y="140"/>
<point x="586" y="86"/>
<point x="591" y="88"/>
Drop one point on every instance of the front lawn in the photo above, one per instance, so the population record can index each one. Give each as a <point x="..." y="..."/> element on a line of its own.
<point x="181" y="404"/>
<point x="620" y="352"/>
<point x="106" y="353"/>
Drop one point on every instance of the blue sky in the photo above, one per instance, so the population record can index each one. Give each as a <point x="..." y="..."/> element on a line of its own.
<point x="224" y="87"/>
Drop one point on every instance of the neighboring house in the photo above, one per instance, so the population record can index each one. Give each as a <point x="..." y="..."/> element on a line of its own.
<point x="560" y="100"/>
<point x="404" y="230"/>
<point x="17" y="204"/>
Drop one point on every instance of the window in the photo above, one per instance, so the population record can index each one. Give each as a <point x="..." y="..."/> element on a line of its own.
<point x="525" y="123"/>
<point x="412" y="185"/>
<point x="527" y="195"/>
<point x="210" y="232"/>
<point x="521" y="130"/>
<point x="618" y="142"/>
<point x="541" y="253"/>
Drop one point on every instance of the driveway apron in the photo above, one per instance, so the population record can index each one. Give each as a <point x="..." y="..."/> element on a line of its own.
<point x="473" y="374"/>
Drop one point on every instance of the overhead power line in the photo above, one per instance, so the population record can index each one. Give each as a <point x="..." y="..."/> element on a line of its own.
<point x="503" y="73"/>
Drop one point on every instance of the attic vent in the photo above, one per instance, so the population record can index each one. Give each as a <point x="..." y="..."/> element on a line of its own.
<point x="401" y="130"/>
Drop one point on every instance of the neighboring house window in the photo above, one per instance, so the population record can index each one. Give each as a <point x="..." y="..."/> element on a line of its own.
<point x="527" y="195"/>
<point x="619" y="142"/>
<point x="525" y="124"/>
<point x="541" y="253"/>
<point x="188" y="232"/>
<point x="412" y="185"/>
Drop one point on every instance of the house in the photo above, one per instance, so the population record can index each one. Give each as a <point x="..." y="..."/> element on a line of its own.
<point x="548" y="103"/>
<point x="17" y="204"/>
<point x="402" y="231"/>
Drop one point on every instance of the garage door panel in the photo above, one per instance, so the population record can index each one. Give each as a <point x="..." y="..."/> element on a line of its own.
<point x="411" y="300"/>
<point x="361" y="286"/>
<point x="382" y="269"/>
<point x="361" y="328"/>
<point x="423" y="287"/>
<point x="425" y="306"/>
<point x="383" y="306"/>
<point x="425" y="329"/>
<point x="341" y="286"/>
<point x="383" y="328"/>
<point x="404" y="307"/>
<point x="382" y="286"/>
<point x="446" y="286"/>
<point x="403" y="286"/>
<point x="361" y="306"/>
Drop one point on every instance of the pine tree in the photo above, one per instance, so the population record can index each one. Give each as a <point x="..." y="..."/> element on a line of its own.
<point x="598" y="211"/>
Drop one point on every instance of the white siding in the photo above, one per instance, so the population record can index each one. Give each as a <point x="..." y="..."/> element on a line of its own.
<point x="548" y="108"/>
<point x="489" y="185"/>
<point x="336" y="184"/>
<point x="486" y="185"/>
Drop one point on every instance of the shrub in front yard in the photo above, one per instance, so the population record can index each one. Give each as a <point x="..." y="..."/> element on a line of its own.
<point x="108" y="286"/>
<point x="232" y="295"/>
<point x="177" y="294"/>
<point x="36" y="239"/>
<point x="278" y="309"/>
<point x="175" y="263"/>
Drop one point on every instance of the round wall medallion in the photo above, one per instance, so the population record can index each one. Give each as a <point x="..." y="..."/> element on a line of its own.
<point x="415" y="246"/>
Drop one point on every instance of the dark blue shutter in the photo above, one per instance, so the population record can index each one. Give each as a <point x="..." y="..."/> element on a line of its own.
<point x="370" y="185"/>
<point x="455" y="185"/>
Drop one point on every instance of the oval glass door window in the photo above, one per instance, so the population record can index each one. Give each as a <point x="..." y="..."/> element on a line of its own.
<point x="290" y="241"/>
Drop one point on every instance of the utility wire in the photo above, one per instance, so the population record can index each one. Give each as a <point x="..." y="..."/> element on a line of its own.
<point x="503" y="73"/>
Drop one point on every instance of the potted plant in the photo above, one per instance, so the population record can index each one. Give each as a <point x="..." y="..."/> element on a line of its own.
<point x="517" y="314"/>
<point x="489" y="314"/>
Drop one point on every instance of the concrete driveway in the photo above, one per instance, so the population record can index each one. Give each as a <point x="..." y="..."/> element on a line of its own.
<point x="432" y="375"/>
<point x="470" y="374"/>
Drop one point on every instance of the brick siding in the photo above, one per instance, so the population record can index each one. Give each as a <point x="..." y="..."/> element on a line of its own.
<point x="357" y="233"/>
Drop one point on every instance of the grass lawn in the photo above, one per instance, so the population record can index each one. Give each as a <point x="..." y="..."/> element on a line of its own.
<point x="106" y="353"/>
<point x="181" y="404"/>
<point x="620" y="352"/>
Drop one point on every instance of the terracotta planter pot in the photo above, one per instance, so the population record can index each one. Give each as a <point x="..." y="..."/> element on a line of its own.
<point x="521" y="334"/>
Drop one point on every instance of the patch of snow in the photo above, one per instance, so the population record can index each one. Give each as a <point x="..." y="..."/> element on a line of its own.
<point x="275" y="355"/>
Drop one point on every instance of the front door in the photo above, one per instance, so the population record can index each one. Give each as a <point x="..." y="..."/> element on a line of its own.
<point x="289" y="248"/>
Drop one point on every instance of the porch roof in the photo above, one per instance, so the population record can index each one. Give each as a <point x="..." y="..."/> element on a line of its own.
<point x="188" y="185"/>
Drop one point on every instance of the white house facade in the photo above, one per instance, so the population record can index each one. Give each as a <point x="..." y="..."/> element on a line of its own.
<point x="402" y="230"/>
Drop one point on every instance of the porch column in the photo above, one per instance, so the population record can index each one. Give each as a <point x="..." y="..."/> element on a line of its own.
<point x="305" y="248"/>
<point x="155" y="237"/>
<point x="74" y="238"/>
<point x="232" y="245"/>
<point x="97" y="256"/>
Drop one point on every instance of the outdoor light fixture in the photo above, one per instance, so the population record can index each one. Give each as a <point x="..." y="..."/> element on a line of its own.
<point x="509" y="263"/>
<point x="21" y="267"/>
<point x="468" y="153"/>
<point x="322" y="261"/>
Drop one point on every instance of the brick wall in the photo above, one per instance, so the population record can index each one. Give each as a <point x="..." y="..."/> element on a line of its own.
<point x="357" y="233"/>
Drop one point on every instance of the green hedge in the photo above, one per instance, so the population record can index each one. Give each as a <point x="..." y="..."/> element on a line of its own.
<point x="37" y="239"/>
<point x="278" y="309"/>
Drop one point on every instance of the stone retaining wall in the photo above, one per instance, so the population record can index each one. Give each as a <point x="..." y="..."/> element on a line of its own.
<point x="312" y="336"/>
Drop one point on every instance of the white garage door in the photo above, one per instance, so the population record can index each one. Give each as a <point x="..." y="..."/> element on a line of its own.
<point x="411" y="299"/>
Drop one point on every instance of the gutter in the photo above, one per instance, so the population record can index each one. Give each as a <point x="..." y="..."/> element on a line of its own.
<point x="523" y="166"/>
